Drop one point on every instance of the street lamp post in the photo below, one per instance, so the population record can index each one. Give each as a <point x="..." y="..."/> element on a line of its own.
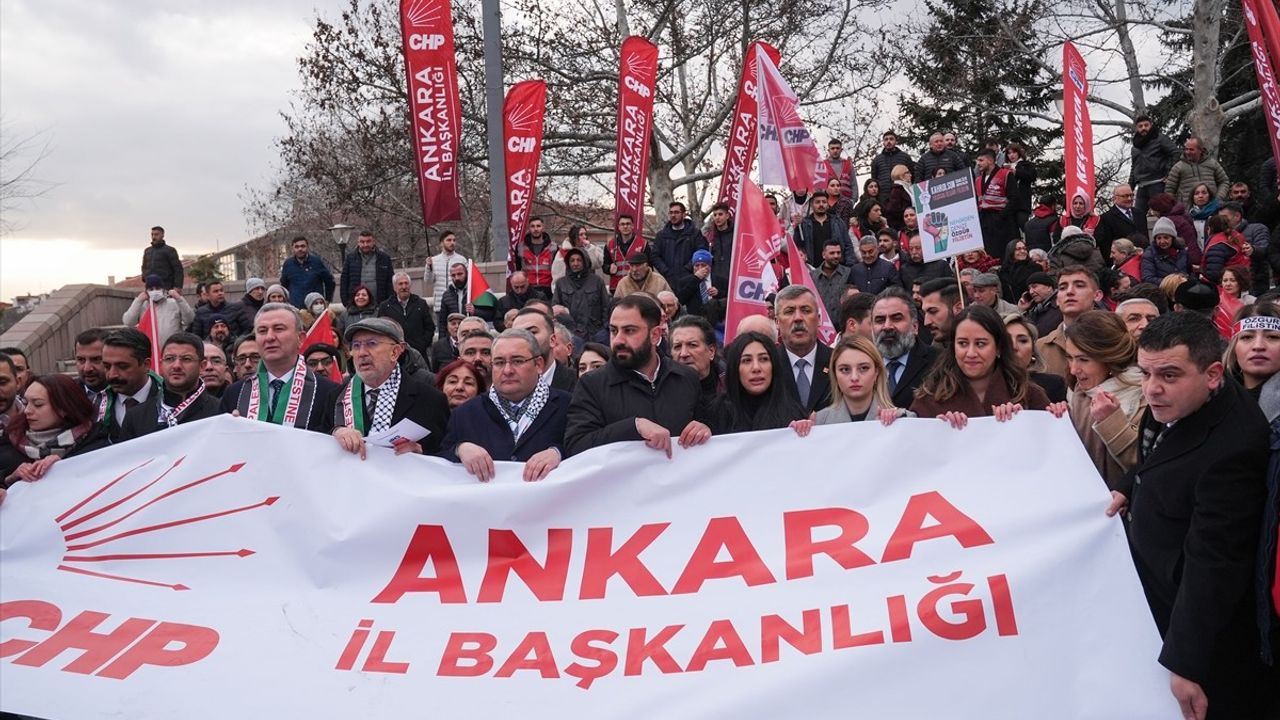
<point x="341" y="235"/>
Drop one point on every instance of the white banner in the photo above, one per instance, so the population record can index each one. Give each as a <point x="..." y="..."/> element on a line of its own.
<point x="233" y="569"/>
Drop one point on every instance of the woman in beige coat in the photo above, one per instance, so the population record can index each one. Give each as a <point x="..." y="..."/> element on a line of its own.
<point x="1105" y="396"/>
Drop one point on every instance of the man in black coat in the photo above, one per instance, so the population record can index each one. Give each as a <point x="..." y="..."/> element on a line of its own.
<point x="412" y="313"/>
<point x="893" y="319"/>
<point x="637" y="395"/>
<point x="283" y="390"/>
<point x="808" y="361"/>
<point x="379" y="395"/>
<point x="558" y="375"/>
<point x="367" y="266"/>
<point x="886" y="160"/>
<point x="1153" y="154"/>
<point x="1121" y="221"/>
<point x="1195" y="502"/>
<point x="182" y="398"/>
<point x="162" y="260"/>
<point x="673" y="247"/>
<point x="126" y="360"/>
<point x="522" y="419"/>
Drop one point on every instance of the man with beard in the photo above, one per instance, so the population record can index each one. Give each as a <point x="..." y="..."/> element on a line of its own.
<point x="638" y="395"/>
<point x="535" y="255"/>
<point x="215" y="373"/>
<point x="796" y="310"/>
<point x="813" y="232"/>
<point x="9" y="407"/>
<point x="182" y="398"/>
<point x="452" y="299"/>
<point x="1153" y="155"/>
<point x="894" y="320"/>
<point x="93" y="377"/>
<point x="220" y="332"/>
<point x="283" y="390"/>
<point x="832" y="277"/>
<point x="126" y="356"/>
<point x="641" y="277"/>
<point x="476" y="347"/>
<point x="584" y="294"/>
<point x="940" y="301"/>
<point x="886" y="160"/>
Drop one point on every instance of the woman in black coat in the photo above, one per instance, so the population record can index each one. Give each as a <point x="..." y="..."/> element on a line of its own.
<point x="755" y="396"/>
<point x="58" y="422"/>
<point x="1015" y="270"/>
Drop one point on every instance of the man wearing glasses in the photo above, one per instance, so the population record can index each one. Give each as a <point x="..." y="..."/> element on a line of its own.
<point x="184" y="397"/>
<point x="1121" y="221"/>
<point x="379" y="395"/>
<point x="522" y="418"/>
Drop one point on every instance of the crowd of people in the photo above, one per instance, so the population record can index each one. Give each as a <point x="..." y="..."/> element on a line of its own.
<point x="1104" y="319"/>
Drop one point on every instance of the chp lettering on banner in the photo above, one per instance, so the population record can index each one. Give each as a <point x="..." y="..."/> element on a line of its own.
<point x="432" y="73"/>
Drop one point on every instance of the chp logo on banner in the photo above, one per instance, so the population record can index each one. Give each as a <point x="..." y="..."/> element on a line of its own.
<point x="1262" y="43"/>
<point x="1077" y="128"/>
<point x="787" y="153"/>
<point x="155" y="574"/>
<point x="637" y="79"/>
<point x="522" y="116"/>
<point x="740" y="151"/>
<point x="947" y="209"/>
<point x="432" y="70"/>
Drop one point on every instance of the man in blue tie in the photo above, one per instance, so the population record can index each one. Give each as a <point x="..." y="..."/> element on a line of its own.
<point x="283" y="391"/>
<point x="796" y="308"/>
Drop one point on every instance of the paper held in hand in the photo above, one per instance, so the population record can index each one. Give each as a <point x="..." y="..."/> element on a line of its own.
<point x="404" y="431"/>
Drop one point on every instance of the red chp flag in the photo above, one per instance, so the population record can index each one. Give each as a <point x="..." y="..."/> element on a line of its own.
<point x="522" y="115"/>
<point x="1077" y="129"/>
<point x="787" y="153"/>
<point x="149" y="327"/>
<point x="432" y="70"/>
<point x="637" y="76"/>
<point x="322" y="332"/>
<point x="1263" y="42"/>
<point x="740" y="150"/>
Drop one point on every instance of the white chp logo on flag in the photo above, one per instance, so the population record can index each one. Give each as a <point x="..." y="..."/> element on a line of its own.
<point x="521" y="120"/>
<point x="426" y="15"/>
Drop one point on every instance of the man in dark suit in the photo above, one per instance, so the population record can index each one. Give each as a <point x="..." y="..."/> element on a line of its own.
<point x="378" y="395"/>
<point x="182" y="398"/>
<point x="282" y="390"/>
<point x="411" y="313"/>
<point x="1195" y="502"/>
<point x="521" y="419"/>
<point x="808" y="361"/>
<point x="126" y="360"/>
<point x="893" y="319"/>
<point x="539" y="324"/>
<point x="1120" y="221"/>
<point x="367" y="266"/>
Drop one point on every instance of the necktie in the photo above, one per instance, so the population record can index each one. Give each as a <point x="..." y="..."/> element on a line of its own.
<point x="370" y="405"/>
<point x="275" y="393"/>
<point x="892" y="369"/>
<point x="704" y="291"/>
<point x="802" y="381"/>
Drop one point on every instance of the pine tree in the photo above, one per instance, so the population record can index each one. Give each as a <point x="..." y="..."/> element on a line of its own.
<point x="966" y="77"/>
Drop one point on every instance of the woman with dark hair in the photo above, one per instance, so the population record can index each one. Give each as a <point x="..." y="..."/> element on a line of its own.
<point x="1204" y="205"/>
<point x="1236" y="282"/>
<point x="755" y="398"/>
<point x="870" y="220"/>
<point x="977" y="374"/>
<point x="58" y="422"/>
<point x="594" y="355"/>
<point x="362" y="307"/>
<point x="1225" y="248"/>
<point x="870" y="194"/>
<point x="1106" y="392"/>
<point x="1016" y="269"/>
<point x="842" y="207"/>
<point x="460" y="381"/>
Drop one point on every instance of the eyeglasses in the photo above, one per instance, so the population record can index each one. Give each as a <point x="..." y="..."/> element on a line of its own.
<point x="314" y="363"/>
<point x="359" y="345"/>
<point x="255" y="357"/>
<point x="515" y="363"/>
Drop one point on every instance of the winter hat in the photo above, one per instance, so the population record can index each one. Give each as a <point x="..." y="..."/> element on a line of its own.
<point x="1162" y="203"/>
<point x="253" y="284"/>
<point x="153" y="281"/>
<point x="702" y="256"/>
<point x="312" y="297"/>
<point x="639" y="257"/>
<point x="1041" y="278"/>
<point x="1071" y="231"/>
<point x="217" y="319"/>
<point x="277" y="288"/>
<point x="1165" y="226"/>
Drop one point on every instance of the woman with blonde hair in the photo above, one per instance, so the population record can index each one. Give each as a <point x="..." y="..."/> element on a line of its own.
<point x="1170" y="283"/>
<point x="1023" y="336"/>
<point x="859" y="386"/>
<point x="1106" y="397"/>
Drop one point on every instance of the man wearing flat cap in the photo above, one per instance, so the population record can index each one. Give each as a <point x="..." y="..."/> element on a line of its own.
<point x="378" y="395"/>
<point x="445" y="350"/>
<point x="985" y="290"/>
<point x="641" y="277"/>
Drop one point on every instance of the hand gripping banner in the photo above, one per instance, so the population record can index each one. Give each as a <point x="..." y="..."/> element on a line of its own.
<point x="1077" y="129"/>
<point x="740" y="148"/>
<point x="432" y="71"/>
<point x="522" y="117"/>
<point x="637" y="79"/>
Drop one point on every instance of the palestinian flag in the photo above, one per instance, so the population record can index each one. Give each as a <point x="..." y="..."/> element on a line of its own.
<point x="478" y="291"/>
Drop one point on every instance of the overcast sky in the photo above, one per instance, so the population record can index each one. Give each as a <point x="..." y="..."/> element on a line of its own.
<point x="157" y="113"/>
